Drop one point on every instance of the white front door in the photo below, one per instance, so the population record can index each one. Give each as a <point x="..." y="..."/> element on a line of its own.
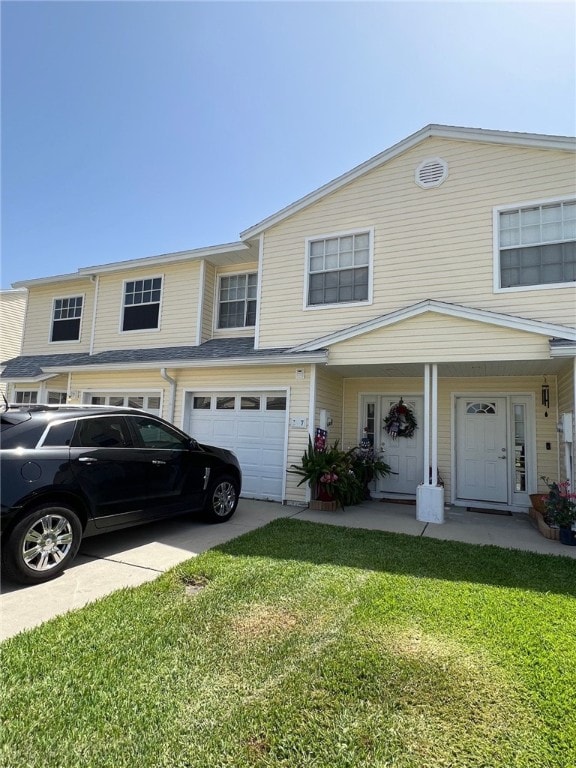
<point x="405" y="455"/>
<point x="482" y="462"/>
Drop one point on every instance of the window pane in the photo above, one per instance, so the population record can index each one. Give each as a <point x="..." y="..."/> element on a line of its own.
<point x="136" y="402"/>
<point x="141" y="317"/>
<point x="225" y="403"/>
<point x="65" y="330"/>
<point x="202" y="403"/>
<point x="153" y="434"/>
<point x="316" y="263"/>
<point x="250" y="403"/>
<point x="106" y="432"/>
<point x="275" y="403"/>
<point x="60" y="434"/>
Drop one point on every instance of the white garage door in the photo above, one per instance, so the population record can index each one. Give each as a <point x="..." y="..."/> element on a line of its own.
<point x="253" y="425"/>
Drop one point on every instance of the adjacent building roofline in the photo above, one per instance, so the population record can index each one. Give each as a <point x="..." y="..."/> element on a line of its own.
<point x="210" y="253"/>
<point x="535" y="140"/>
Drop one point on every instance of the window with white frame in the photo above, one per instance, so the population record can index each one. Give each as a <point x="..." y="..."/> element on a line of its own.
<point x="56" y="397"/>
<point x="338" y="269"/>
<point x="237" y="300"/>
<point x="537" y="244"/>
<point x="66" y="317"/>
<point x="26" y="397"/>
<point x="149" y="402"/>
<point x="142" y="304"/>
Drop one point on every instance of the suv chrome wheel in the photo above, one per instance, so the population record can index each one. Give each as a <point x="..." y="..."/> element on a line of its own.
<point x="47" y="542"/>
<point x="222" y="500"/>
<point x="42" y="544"/>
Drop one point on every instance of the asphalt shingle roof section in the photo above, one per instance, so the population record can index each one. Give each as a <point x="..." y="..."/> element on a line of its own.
<point x="215" y="349"/>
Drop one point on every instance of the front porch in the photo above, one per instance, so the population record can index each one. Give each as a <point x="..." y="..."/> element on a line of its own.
<point x="514" y="531"/>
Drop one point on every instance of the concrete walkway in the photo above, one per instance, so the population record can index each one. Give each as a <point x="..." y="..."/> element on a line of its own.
<point x="131" y="557"/>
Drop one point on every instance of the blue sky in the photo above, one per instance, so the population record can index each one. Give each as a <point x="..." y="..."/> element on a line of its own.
<point x="132" y="128"/>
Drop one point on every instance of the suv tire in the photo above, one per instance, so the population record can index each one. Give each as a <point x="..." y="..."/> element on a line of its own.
<point x="222" y="500"/>
<point x="41" y="544"/>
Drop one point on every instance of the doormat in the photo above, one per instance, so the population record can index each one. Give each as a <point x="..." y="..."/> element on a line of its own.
<point x="504" y="512"/>
<point x="399" y="501"/>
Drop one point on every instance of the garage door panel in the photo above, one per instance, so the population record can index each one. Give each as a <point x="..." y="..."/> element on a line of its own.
<point x="274" y="430"/>
<point x="257" y="437"/>
<point x="250" y="429"/>
<point x="224" y="429"/>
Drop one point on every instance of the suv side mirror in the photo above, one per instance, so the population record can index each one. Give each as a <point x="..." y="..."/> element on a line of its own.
<point x="193" y="444"/>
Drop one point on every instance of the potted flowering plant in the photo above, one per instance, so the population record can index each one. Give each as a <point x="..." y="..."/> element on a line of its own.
<point x="322" y="470"/>
<point x="561" y="508"/>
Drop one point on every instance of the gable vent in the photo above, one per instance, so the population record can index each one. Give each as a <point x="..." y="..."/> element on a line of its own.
<point x="431" y="173"/>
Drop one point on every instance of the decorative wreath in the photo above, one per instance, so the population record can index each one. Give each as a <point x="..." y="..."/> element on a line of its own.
<point x="400" y="421"/>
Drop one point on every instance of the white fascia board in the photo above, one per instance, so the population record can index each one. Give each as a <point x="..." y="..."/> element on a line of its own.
<point x="195" y="254"/>
<point x="315" y="357"/>
<point x="568" y="350"/>
<point x="442" y="308"/>
<point x="538" y="141"/>
<point x="47" y="280"/>
<point x="30" y="379"/>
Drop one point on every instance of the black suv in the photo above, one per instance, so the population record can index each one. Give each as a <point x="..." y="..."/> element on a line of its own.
<point x="73" y="471"/>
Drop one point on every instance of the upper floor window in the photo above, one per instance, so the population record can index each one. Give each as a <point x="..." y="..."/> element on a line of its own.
<point x="237" y="301"/>
<point x="66" y="317"/>
<point x="142" y="304"/>
<point x="537" y="244"/>
<point x="338" y="269"/>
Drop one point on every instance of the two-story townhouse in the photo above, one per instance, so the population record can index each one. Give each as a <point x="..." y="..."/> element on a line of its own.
<point x="440" y="274"/>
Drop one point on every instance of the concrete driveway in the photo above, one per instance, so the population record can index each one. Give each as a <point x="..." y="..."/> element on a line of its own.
<point x="125" y="559"/>
<point x="131" y="557"/>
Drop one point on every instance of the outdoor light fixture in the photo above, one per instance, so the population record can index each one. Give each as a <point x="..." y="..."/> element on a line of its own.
<point x="545" y="394"/>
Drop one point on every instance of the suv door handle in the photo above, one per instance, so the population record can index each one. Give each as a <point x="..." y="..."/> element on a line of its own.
<point x="158" y="461"/>
<point x="87" y="459"/>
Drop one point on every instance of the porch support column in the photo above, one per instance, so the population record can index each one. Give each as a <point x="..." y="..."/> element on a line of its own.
<point x="426" y="480"/>
<point x="429" y="495"/>
<point x="434" y="418"/>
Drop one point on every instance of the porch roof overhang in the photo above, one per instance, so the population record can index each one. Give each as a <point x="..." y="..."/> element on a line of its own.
<point x="513" y="322"/>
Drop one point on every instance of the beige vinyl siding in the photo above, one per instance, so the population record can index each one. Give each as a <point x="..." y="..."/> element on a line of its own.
<point x="178" y="311"/>
<point x="428" y="243"/>
<point x="120" y="381"/>
<point x="547" y="460"/>
<point x="209" y="301"/>
<point x="329" y="391"/>
<point x="12" y="312"/>
<point x="39" y="315"/>
<point x="432" y="338"/>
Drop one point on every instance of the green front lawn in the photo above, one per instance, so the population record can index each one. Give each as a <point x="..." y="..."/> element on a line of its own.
<point x="306" y="645"/>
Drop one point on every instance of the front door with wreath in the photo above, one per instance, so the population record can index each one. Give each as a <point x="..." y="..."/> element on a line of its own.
<point x="401" y="440"/>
